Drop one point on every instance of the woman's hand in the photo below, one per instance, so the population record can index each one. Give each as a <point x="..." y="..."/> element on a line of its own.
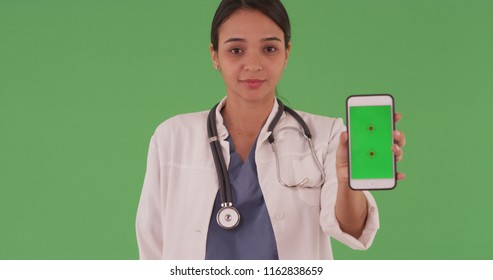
<point x="342" y="157"/>
<point x="351" y="206"/>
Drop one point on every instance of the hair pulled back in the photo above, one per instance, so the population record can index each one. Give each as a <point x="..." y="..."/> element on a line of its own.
<point x="273" y="9"/>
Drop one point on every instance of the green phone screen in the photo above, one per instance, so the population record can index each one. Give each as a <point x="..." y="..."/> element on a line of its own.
<point x="370" y="131"/>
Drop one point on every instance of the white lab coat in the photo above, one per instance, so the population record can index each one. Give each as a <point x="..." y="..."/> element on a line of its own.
<point x="181" y="184"/>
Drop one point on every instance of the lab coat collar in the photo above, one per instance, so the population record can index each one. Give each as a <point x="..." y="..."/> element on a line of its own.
<point x="223" y="132"/>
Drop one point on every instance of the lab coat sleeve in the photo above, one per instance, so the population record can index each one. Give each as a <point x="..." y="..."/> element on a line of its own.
<point x="149" y="213"/>
<point x="328" y="218"/>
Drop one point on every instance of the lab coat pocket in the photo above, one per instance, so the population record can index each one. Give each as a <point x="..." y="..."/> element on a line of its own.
<point x="305" y="168"/>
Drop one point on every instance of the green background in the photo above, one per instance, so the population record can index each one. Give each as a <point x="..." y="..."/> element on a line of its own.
<point x="83" y="85"/>
<point x="371" y="151"/>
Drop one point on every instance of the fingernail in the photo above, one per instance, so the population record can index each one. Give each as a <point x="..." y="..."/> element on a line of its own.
<point x="397" y="133"/>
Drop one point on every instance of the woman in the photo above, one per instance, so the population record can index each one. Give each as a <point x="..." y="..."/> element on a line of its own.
<point x="179" y="215"/>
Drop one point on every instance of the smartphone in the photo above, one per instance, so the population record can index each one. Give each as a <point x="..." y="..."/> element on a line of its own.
<point x="370" y="124"/>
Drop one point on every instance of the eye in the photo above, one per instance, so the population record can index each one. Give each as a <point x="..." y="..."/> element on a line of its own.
<point x="270" y="49"/>
<point x="236" y="51"/>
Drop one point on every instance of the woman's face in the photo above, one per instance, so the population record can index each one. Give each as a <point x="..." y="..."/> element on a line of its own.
<point x="251" y="55"/>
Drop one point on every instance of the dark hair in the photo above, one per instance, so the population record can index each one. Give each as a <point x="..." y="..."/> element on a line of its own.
<point x="273" y="9"/>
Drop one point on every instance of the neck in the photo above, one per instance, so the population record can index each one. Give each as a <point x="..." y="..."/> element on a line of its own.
<point x="246" y="118"/>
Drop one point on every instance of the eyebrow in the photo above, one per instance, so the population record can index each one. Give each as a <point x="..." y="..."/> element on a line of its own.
<point x="243" y="40"/>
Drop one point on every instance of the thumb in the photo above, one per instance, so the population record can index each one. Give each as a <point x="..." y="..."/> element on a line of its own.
<point x="343" y="138"/>
<point x="343" y="143"/>
<point x="341" y="155"/>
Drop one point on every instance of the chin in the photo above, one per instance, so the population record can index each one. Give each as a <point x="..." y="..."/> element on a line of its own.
<point x="243" y="94"/>
<point x="255" y="96"/>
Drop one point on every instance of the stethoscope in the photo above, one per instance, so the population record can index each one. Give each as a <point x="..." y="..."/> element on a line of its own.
<point x="228" y="216"/>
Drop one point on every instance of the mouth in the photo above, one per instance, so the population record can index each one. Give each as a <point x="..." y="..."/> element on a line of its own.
<point x="252" y="83"/>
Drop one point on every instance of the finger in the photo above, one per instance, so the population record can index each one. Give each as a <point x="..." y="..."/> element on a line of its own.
<point x="397" y="117"/>
<point x="399" y="138"/>
<point x="342" y="150"/>
<point x="401" y="176"/>
<point x="343" y="138"/>
<point x="398" y="152"/>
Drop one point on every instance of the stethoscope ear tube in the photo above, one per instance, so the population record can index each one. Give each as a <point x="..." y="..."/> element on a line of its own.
<point x="274" y="121"/>
<point x="300" y="120"/>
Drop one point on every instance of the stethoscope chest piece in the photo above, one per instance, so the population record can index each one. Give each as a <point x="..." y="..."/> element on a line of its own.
<point x="228" y="217"/>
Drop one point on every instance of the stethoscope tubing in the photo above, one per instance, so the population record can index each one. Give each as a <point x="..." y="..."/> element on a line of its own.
<point x="220" y="163"/>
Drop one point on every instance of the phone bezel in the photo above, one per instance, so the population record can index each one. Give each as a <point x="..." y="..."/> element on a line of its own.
<point x="370" y="100"/>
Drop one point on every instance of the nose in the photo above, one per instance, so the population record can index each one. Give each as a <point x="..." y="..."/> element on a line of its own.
<point x="253" y="63"/>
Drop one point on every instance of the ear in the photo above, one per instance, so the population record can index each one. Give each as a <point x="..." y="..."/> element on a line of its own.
<point x="288" y="50"/>
<point x="215" y="60"/>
